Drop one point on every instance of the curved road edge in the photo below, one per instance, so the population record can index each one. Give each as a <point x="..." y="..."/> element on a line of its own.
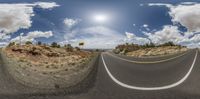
<point x="147" y="62"/>
<point x="150" y="88"/>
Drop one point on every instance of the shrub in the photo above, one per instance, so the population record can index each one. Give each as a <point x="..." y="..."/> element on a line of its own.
<point x="68" y="47"/>
<point x="39" y="43"/>
<point x="11" y="44"/>
<point x="58" y="46"/>
<point x="77" y="49"/>
<point x="55" y="45"/>
<point x="28" y="42"/>
<point x="168" y="44"/>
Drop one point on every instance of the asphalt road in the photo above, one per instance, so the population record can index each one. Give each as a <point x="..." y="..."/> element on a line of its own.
<point x="177" y="78"/>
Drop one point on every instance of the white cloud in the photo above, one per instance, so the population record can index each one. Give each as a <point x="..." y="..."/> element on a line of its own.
<point x="186" y="13"/>
<point x="129" y="35"/>
<point x="14" y="17"/>
<point x="47" y="5"/>
<point x="36" y="34"/>
<point x="2" y="44"/>
<point x="32" y="35"/>
<point x="171" y="33"/>
<point x="188" y="3"/>
<point x="160" y="4"/>
<point x="132" y="38"/>
<point x="18" y="16"/>
<point x="168" y="33"/>
<point x="145" y="25"/>
<point x="4" y="36"/>
<point x="71" y="22"/>
<point x="95" y="37"/>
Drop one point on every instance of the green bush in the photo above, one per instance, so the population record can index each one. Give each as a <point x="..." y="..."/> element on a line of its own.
<point x="77" y="49"/>
<point x="124" y="48"/>
<point x="28" y="42"/>
<point x="39" y="43"/>
<point x="55" y="45"/>
<point x="68" y="47"/>
<point x="11" y="44"/>
<point x="168" y="44"/>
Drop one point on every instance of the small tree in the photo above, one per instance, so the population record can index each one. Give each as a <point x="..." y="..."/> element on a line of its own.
<point x="77" y="49"/>
<point x="168" y="44"/>
<point x="68" y="47"/>
<point x="65" y="46"/>
<point x="39" y="43"/>
<point x="54" y="44"/>
<point x="58" y="46"/>
<point x="28" y="42"/>
<point x="152" y="44"/>
<point x="11" y="44"/>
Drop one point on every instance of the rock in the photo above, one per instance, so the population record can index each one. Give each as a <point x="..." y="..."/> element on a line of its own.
<point x="156" y="51"/>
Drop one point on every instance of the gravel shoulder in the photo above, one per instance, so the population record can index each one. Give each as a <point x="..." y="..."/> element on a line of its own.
<point x="47" y="68"/>
<point x="157" y="51"/>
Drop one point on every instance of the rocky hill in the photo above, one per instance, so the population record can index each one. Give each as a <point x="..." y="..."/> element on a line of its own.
<point x="45" y="66"/>
<point x="156" y="51"/>
<point x="149" y="49"/>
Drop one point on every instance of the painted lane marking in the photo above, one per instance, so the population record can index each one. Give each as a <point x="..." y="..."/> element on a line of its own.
<point x="147" y="62"/>
<point x="150" y="88"/>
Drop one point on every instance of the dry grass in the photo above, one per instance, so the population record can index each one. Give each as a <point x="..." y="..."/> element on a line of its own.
<point x="156" y="51"/>
<point x="46" y="57"/>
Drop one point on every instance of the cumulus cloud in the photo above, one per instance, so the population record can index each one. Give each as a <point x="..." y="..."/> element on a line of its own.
<point x="168" y="33"/>
<point x="18" y="16"/>
<point x="71" y="22"/>
<point x="2" y="44"/>
<point x="186" y="13"/>
<point x="95" y="37"/>
<point x="132" y="38"/>
<point x="14" y="17"/>
<point x="31" y="36"/>
<point x="145" y="25"/>
<point x="129" y="35"/>
<point x="47" y="5"/>
<point x="171" y="33"/>
<point x="4" y="36"/>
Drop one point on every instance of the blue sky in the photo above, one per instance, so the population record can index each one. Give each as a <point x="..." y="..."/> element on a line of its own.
<point x="100" y="23"/>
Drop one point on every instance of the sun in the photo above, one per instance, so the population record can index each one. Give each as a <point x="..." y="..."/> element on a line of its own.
<point x="100" y="18"/>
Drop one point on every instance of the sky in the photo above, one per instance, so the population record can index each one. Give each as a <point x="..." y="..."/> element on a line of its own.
<point x="100" y="23"/>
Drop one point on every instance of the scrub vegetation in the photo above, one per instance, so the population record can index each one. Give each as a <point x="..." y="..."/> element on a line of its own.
<point x="149" y="49"/>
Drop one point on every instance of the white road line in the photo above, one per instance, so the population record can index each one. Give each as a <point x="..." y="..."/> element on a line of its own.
<point x="147" y="62"/>
<point x="150" y="88"/>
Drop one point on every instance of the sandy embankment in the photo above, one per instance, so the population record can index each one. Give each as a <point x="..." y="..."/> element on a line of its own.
<point x="62" y="71"/>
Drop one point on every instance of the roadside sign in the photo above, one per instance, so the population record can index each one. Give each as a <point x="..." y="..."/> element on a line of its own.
<point x="81" y="44"/>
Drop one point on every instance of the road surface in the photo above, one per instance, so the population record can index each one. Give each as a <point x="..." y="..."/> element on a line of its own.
<point x="116" y="78"/>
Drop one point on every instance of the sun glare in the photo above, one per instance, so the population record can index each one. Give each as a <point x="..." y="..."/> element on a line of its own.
<point x="101" y="18"/>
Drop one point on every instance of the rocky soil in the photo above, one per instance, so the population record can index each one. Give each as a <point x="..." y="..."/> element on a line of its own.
<point x="156" y="51"/>
<point x="44" y="58"/>
<point x="47" y="67"/>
